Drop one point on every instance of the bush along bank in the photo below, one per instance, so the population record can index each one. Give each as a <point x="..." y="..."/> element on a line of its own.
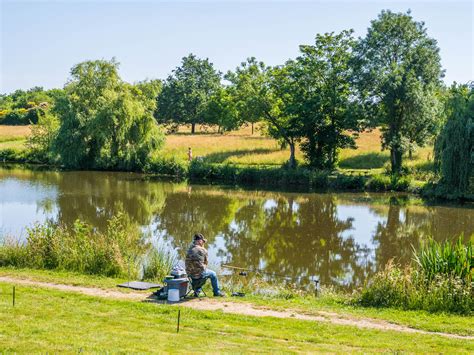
<point x="21" y="156"/>
<point x="300" y="177"/>
<point x="439" y="280"/>
<point x="202" y="172"/>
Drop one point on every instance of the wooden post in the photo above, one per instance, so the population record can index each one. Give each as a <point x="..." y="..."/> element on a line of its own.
<point x="179" y="316"/>
<point x="316" y="284"/>
<point x="128" y="269"/>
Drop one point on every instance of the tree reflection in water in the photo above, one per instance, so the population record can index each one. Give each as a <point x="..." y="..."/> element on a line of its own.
<point x="296" y="235"/>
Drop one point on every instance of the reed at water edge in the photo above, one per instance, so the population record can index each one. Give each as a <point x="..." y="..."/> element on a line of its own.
<point x="439" y="280"/>
<point x="119" y="251"/>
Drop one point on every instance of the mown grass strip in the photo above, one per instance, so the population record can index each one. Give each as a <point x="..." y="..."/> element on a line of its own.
<point x="440" y="322"/>
<point x="53" y="321"/>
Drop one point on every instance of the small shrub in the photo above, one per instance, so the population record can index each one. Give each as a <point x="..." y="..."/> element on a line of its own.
<point x="249" y="175"/>
<point x="319" y="179"/>
<point x="170" y="167"/>
<point x="198" y="170"/>
<point x="348" y="182"/>
<point x="22" y="156"/>
<point x="379" y="183"/>
<point x="400" y="183"/>
<point x="389" y="183"/>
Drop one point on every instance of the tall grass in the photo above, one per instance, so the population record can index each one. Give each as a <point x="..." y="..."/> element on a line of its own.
<point x="440" y="280"/>
<point x="450" y="259"/>
<point x="409" y="289"/>
<point x="157" y="264"/>
<point x="117" y="252"/>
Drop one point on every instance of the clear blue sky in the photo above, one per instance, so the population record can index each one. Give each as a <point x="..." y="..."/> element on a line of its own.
<point x="42" y="40"/>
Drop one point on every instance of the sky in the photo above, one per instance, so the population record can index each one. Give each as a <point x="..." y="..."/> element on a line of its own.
<point x="42" y="40"/>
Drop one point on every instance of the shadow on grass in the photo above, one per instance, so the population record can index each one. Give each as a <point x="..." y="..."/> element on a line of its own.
<point x="373" y="160"/>
<point x="220" y="157"/>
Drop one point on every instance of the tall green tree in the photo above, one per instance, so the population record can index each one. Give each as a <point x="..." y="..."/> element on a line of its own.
<point x="322" y="98"/>
<point x="399" y="71"/>
<point x="221" y="110"/>
<point x="186" y="92"/>
<point x="105" y="123"/>
<point x="454" y="148"/>
<point x="262" y="91"/>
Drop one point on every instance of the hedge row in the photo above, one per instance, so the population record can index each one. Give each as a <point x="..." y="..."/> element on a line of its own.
<point x="199" y="171"/>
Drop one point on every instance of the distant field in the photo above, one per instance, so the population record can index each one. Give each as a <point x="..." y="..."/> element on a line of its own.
<point x="13" y="137"/>
<point x="11" y="133"/>
<point x="241" y="147"/>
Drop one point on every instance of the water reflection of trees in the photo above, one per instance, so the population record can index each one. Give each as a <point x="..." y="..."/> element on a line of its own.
<point x="297" y="235"/>
<point x="95" y="197"/>
<point x="299" y="240"/>
<point x="186" y="213"/>
<point x="407" y="225"/>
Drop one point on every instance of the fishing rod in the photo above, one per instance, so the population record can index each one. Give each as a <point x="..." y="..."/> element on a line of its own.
<point x="258" y="271"/>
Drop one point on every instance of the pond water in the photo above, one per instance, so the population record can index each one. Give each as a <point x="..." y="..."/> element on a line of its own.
<point x="340" y="238"/>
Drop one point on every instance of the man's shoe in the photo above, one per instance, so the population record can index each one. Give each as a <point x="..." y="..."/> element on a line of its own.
<point x="220" y="294"/>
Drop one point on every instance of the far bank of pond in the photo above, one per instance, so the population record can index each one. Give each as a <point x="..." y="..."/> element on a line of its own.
<point x="340" y="238"/>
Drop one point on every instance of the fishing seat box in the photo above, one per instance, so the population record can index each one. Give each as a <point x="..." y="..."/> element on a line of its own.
<point x="180" y="284"/>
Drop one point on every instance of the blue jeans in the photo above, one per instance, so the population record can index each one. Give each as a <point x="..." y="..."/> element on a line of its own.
<point x="214" y="282"/>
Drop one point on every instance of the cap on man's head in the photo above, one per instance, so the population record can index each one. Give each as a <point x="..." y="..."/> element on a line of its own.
<point x="199" y="236"/>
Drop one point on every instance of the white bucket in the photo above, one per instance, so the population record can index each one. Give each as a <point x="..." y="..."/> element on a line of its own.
<point x="173" y="295"/>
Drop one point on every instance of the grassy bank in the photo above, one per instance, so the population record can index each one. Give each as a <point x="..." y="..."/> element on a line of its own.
<point x="439" y="279"/>
<point x="245" y="159"/>
<point x="307" y="304"/>
<point x="51" y="321"/>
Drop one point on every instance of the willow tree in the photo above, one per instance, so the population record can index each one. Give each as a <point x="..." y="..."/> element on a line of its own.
<point x="399" y="72"/>
<point x="454" y="149"/>
<point x="105" y="123"/>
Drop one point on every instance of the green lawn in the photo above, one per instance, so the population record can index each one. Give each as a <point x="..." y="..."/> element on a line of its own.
<point x="46" y="320"/>
<point x="438" y="322"/>
<point x="448" y="323"/>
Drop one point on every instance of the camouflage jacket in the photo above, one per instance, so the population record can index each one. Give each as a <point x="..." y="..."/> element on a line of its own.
<point x="196" y="261"/>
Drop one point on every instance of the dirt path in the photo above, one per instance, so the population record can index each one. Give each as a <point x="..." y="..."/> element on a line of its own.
<point x="213" y="304"/>
<point x="90" y="291"/>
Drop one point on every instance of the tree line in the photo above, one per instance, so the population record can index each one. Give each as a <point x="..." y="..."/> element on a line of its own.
<point x="335" y="88"/>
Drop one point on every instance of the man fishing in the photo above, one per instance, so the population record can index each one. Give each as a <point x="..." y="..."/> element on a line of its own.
<point x="196" y="264"/>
